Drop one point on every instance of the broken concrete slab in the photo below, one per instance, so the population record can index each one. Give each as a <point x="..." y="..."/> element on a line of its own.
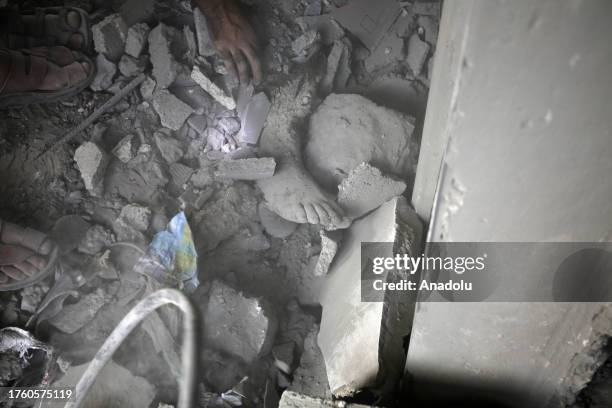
<point x="246" y="169"/>
<point x="362" y="342"/>
<point x="389" y="51"/>
<point x="206" y="46"/>
<point x="363" y="132"/>
<point x="109" y="36"/>
<point x="275" y="225"/>
<point x="291" y="399"/>
<point x="190" y="41"/>
<point x="180" y="174"/>
<point x="123" y="149"/>
<point x="237" y="324"/>
<point x="418" y="50"/>
<point x="199" y="123"/>
<point x="137" y="37"/>
<point x="310" y="377"/>
<point x="105" y="73"/>
<point x="254" y="118"/>
<point x="330" y="241"/>
<point x="96" y="240"/>
<point x="130" y="66"/>
<point x="367" y="20"/>
<point x="172" y="111"/>
<point x="91" y="161"/>
<point x="147" y="88"/>
<point x="165" y="67"/>
<point x="170" y="149"/>
<point x="202" y="178"/>
<point x="305" y="46"/>
<point x="213" y="90"/>
<point x="137" y="216"/>
<point x="365" y="189"/>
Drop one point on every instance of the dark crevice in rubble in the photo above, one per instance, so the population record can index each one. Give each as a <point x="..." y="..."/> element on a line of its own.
<point x="598" y="392"/>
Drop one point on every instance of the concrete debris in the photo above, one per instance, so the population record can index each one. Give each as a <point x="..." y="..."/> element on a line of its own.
<point x="361" y="124"/>
<point x="284" y="357"/>
<point x="180" y="174"/>
<point x="195" y="199"/>
<point x="330" y="241"/>
<point x="76" y="316"/>
<point x="254" y="119"/>
<point x="191" y="43"/>
<point x="310" y="377"/>
<point x="228" y="125"/>
<point x="313" y="8"/>
<point x="165" y="67"/>
<point x="389" y="51"/>
<point x="358" y="338"/>
<point x="105" y="73"/>
<point x="109" y="36"/>
<point x="246" y="169"/>
<point x="213" y="90"/>
<point x="236" y="324"/>
<point x="368" y="20"/>
<point x="123" y="149"/>
<point x="137" y="37"/>
<point x="250" y="239"/>
<point x="275" y="225"/>
<point x="206" y="47"/>
<point x="136" y="216"/>
<point x="32" y="295"/>
<point x="418" y="50"/>
<point x="291" y="399"/>
<point x="216" y="140"/>
<point x="96" y="240"/>
<point x="130" y="66"/>
<point x="147" y="88"/>
<point x="333" y="62"/>
<point x="202" y="178"/>
<point x="305" y="46"/>
<point x="172" y="111"/>
<point x="91" y="161"/>
<point x="326" y="26"/>
<point x="199" y="123"/>
<point x="365" y="189"/>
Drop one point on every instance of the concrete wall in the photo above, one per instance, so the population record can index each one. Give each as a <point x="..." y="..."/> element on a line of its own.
<point x="517" y="146"/>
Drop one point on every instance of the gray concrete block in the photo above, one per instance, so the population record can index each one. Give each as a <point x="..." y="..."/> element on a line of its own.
<point x="130" y="66"/>
<point x="105" y="73"/>
<point x="165" y="66"/>
<point x="169" y="148"/>
<point x="123" y="149"/>
<point x="330" y="241"/>
<point x="172" y="111"/>
<point x="310" y="376"/>
<point x="91" y="161"/>
<point x="246" y="169"/>
<point x="213" y="90"/>
<point x="362" y="342"/>
<point x="147" y="88"/>
<point x="206" y="46"/>
<point x="109" y="36"/>
<point x="365" y="189"/>
<point x="237" y="324"/>
<point x="254" y="119"/>
<point x="418" y="50"/>
<point x="137" y="37"/>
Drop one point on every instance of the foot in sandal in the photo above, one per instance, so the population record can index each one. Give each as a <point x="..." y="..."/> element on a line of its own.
<point x="42" y="74"/>
<point x="26" y="256"/>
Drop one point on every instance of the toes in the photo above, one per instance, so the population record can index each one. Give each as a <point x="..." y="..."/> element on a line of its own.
<point x="311" y="214"/>
<point x="334" y="216"/>
<point x="46" y="247"/>
<point x="27" y="268"/>
<point x="13" y="273"/>
<point x="324" y="217"/>
<point x="76" y="73"/>
<point x="76" y="41"/>
<point x="300" y="215"/>
<point x="37" y="261"/>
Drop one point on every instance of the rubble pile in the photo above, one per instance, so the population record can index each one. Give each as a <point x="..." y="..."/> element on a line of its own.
<point x="188" y="140"/>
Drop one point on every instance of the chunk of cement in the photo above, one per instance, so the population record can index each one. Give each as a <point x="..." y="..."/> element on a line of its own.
<point x="236" y="324"/>
<point x="199" y="123"/>
<point x="171" y="110"/>
<point x="91" y="161"/>
<point x="105" y="73"/>
<point x="136" y="41"/>
<point x="109" y="36"/>
<point x="165" y="66"/>
<point x="130" y="66"/>
<point x="389" y="51"/>
<point x="418" y="51"/>
<point x="123" y="149"/>
<point x="169" y="148"/>
<point x="362" y="341"/>
<point x="365" y="189"/>
<point x="254" y="119"/>
<point x="310" y="378"/>
<point x="213" y="90"/>
<point x="363" y="132"/>
<point x="206" y="47"/>
<point x="96" y="240"/>
<point x="368" y="20"/>
<point x="275" y="225"/>
<point x="147" y="88"/>
<point x="333" y="62"/>
<point x="330" y="241"/>
<point x="246" y="169"/>
<point x="303" y="45"/>
<point x="136" y="216"/>
<point x="180" y="173"/>
<point x="291" y="399"/>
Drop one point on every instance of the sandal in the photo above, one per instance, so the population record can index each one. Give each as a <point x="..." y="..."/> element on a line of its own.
<point x="28" y="69"/>
<point x="14" y="33"/>
<point x="20" y="250"/>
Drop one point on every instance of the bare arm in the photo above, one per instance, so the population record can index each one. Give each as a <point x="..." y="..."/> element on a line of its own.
<point x="234" y="38"/>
